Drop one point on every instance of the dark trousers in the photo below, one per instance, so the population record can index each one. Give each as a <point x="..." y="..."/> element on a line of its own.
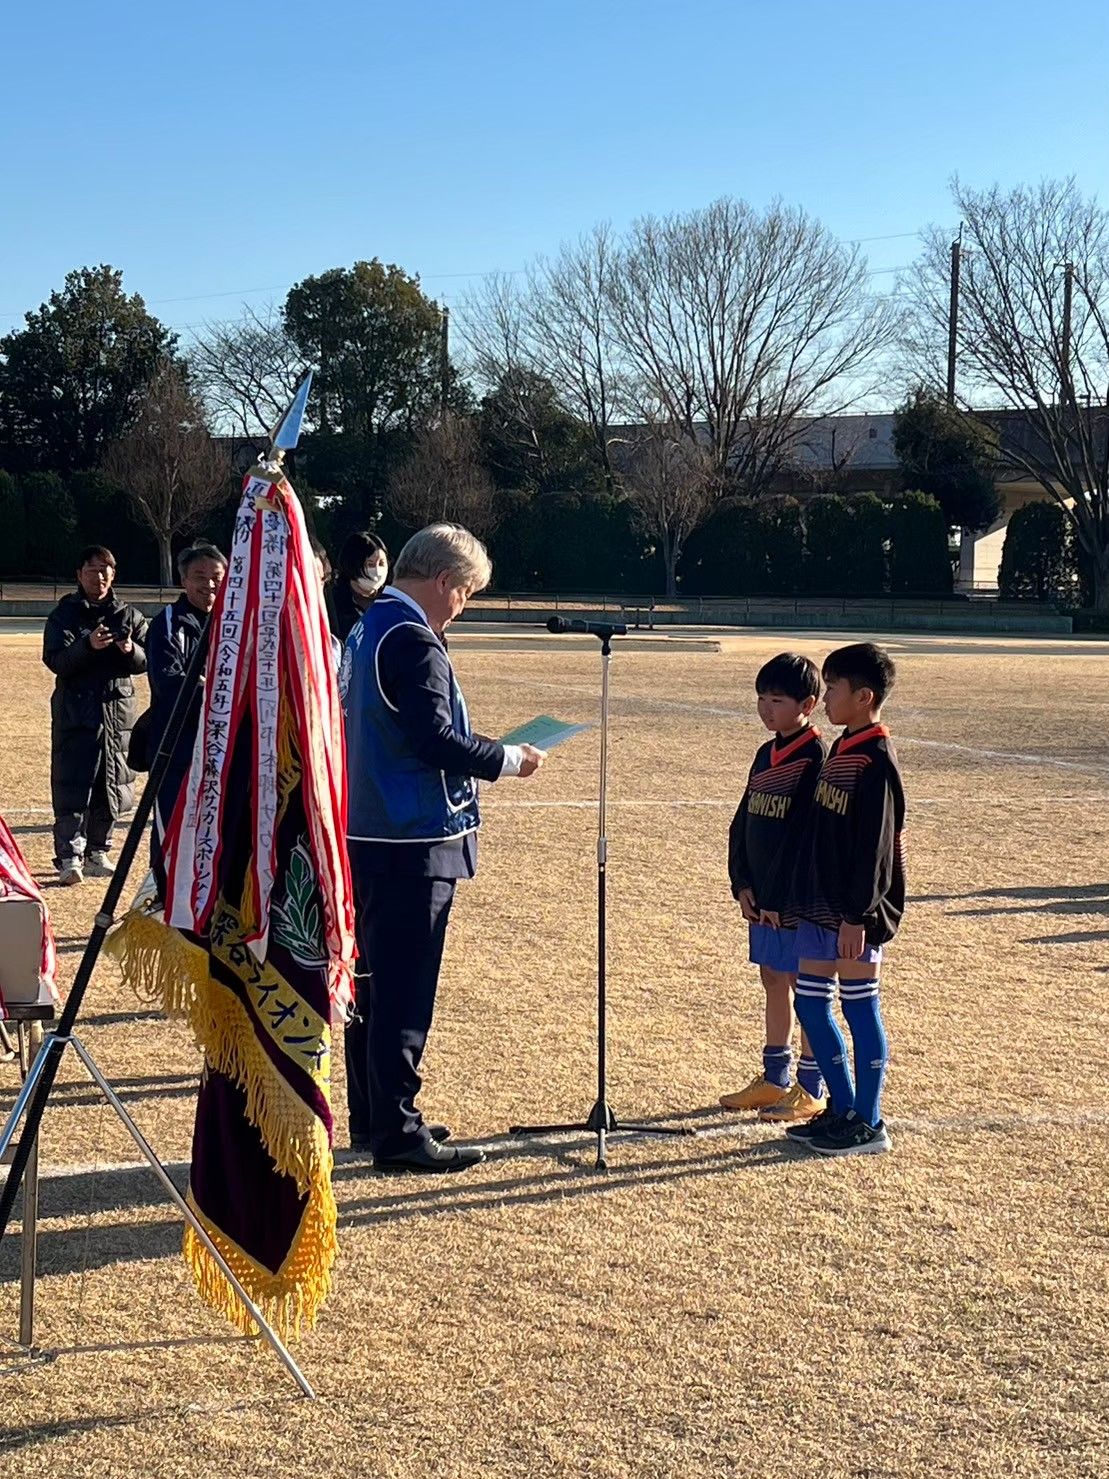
<point x="402" y="928"/>
<point x="73" y="829"/>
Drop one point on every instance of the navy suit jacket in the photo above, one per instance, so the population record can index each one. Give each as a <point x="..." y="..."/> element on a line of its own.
<point x="416" y="679"/>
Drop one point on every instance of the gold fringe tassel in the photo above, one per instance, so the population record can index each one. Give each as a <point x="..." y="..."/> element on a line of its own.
<point x="294" y="1136"/>
<point x="158" y="963"/>
<point x="162" y="966"/>
<point x="289" y="1299"/>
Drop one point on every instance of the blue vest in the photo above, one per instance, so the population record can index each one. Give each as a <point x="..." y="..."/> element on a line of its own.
<point x="393" y="795"/>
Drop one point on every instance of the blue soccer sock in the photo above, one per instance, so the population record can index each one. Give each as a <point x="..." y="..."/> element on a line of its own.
<point x="810" y="1077"/>
<point x="864" y="1018"/>
<point x="776" y="1063"/>
<point x="812" y="1000"/>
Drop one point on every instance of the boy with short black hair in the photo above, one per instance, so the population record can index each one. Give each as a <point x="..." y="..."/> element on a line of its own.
<point x="849" y="892"/>
<point x="762" y="847"/>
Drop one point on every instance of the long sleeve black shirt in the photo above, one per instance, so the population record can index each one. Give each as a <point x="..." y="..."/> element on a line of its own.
<point x="771" y="818"/>
<point x="851" y="866"/>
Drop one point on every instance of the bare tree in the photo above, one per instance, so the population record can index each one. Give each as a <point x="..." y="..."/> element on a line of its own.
<point x="734" y="325"/>
<point x="823" y="455"/>
<point x="1025" y="252"/>
<point x="495" y="326"/>
<point x="246" y="371"/>
<point x="670" y="483"/>
<point x="729" y="326"/>
<point x="167" y="463"/>
<point x="444" y="478"/>
<point x="552" y="322"/>
<point x="571" y="324"/>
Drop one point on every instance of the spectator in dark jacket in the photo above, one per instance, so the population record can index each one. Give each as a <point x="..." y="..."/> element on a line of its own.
<point x="359" y="579"/>
<point x="174" y="635"/>
<point x="95" y="645"/>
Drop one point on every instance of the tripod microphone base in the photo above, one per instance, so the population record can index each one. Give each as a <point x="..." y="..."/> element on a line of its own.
<point x="602" y="1123"/>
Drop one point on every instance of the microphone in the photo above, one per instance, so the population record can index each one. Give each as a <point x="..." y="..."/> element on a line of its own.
<point x="602" y="629"/>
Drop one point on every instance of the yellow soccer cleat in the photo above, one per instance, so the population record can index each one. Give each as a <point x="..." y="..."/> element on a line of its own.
<point x="758" y="1093"/>
<point x="794" y="1107"/>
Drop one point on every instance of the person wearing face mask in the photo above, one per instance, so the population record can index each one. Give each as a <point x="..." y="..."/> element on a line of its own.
<point x="94" y="645"/>
<point x="360" y="577"/>
<point x="172" y="641"/>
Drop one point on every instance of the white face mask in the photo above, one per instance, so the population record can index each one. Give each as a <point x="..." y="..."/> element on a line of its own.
<point x="369" y="585"/>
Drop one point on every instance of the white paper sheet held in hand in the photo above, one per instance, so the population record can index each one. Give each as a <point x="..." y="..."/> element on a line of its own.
<point x="544" y="732"/>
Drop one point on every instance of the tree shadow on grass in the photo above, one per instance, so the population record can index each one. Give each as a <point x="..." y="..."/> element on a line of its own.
<point x="1059" y="906"/>
<point x="1071" y="937"/>
<point x="114" y="1019"/>
<point x="82" y="1094"/>
<point x="573" y="1178"/>
<point x="96" y="1244"/>
<point x="13" y="1438"/>
<point x="1068" y="891"/>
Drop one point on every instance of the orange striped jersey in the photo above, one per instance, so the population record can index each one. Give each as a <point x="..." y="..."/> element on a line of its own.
<point x="851" y="868"/>
<point x="770" y="820"/>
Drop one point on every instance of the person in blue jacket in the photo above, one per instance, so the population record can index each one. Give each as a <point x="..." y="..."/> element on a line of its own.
<point x="173" y="637"/>
<point x="413" y="763"/>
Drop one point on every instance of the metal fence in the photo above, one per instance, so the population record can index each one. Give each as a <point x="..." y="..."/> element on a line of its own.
<point x="54" y="590"/>
<point x="646" y="611"/>
<point x="642" y="611"/>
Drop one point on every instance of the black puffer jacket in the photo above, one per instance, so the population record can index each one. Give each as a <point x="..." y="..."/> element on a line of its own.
<point x="92" y="710"/>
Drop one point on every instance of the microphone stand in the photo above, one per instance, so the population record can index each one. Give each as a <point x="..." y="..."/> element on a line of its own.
<point x="601" y="1121"/>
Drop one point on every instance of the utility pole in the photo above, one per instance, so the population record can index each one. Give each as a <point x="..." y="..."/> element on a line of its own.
<point x="953" y="315"/>
<point x="1068" y="299"/>
<point x="444" y="363"/>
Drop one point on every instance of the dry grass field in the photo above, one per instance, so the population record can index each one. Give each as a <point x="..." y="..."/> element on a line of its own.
<point x="720" y="1305"/>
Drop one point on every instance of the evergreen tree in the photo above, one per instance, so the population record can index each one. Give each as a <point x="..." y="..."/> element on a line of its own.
<point x="51" y="524"/>
<point x="1037" y="561"/>
<point x="920" y="561"/>
<point x="13" y="544"/>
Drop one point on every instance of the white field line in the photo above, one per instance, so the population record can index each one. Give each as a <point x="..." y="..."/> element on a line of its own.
<point x="900" y="738"/>
<point x="968" y="1124"/>
<point x="496" y="804"/>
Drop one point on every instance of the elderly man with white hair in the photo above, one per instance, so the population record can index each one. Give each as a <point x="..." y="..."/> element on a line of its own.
<point x="412" y="763"/>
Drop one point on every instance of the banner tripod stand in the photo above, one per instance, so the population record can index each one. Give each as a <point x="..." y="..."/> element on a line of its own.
<point x="601" y="1121"/>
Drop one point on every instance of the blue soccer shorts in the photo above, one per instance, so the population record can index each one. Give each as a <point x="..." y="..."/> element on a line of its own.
<point x="814" y="942"/>
<point x="776" y="948"/>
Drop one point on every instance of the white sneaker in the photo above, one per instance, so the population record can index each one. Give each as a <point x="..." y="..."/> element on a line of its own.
<point x="70" y="873"/>
<point x="99" y="865"/>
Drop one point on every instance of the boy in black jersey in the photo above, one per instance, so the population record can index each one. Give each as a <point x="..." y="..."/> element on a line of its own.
<point x="849" y="892"/>
<point x="762" y="848"/>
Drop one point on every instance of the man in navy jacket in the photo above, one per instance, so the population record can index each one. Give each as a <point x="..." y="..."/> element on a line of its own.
<point x="412" y="763"/>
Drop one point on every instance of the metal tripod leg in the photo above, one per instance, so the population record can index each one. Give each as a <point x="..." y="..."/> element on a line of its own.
<point x="30" y="1037"/>
<point x="268" y="1333"/>
<point x="19" y="1108"/>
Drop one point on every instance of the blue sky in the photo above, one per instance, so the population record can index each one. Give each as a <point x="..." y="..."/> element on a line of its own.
<point x="211" y="149"/>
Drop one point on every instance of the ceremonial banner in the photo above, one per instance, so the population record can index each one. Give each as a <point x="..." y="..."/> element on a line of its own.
<point x="253" y="940"/>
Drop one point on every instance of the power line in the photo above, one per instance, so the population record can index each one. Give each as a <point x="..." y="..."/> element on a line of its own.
<point x="895" y="236"/>
<point x="14" y="315"/>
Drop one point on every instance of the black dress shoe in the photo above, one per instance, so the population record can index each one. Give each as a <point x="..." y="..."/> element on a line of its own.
<point x="363" y="1145"/>
<point x="430" y="1158"/>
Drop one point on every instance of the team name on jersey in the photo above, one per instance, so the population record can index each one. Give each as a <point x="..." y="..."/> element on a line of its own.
<point x="768" y="804"/>
<point x="833" y="797"/>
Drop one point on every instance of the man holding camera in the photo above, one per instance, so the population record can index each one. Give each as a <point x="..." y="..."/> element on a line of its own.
<point x="94" y="645"/>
